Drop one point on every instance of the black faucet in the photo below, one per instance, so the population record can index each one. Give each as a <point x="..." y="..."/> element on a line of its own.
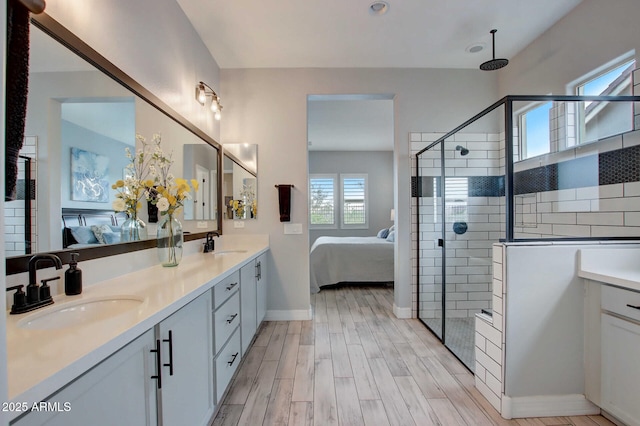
<point x="209" y="244"/>
<point x="33" y="265"/>
<point x="35" y="296"/>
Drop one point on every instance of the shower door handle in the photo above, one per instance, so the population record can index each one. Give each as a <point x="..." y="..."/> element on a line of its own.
<point x="440" y="242"/>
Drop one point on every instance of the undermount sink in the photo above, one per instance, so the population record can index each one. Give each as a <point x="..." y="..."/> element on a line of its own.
<point x="80" y="312"/>
<point x="223" y="252"/>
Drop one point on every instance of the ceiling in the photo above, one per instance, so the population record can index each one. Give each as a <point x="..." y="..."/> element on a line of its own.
<point x="343" y="33"/>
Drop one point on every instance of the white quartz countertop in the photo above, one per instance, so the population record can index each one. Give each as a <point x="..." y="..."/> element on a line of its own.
<point x="42" y="361"/>
<point x="614" y="266"/>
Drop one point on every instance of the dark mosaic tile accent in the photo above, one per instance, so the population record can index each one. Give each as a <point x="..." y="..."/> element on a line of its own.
<point x="20" y="189"/>
<point x="422" y="186"/>
<point x="606" y="168"/>
<point x="486" y="186"/>
<point x="538" y="179"/>
<point x="619" y="166"/>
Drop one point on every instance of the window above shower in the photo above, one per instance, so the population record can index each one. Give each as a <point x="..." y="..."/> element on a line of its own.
<point x="548" y="127"/>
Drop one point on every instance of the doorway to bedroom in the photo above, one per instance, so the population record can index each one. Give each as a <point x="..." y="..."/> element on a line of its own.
<point x="351" y="190"/>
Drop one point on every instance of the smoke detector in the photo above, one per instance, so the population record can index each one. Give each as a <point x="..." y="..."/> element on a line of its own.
<point x="379" y="8"/>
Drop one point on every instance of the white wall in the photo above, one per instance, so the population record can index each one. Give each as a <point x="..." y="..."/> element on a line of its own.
<point x="378" y="165"/>
<point x="268" y="107"/>
<point x="154" y="43"/>
<point x="592" y="34"/>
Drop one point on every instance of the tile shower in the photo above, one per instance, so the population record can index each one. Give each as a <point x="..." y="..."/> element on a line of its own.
<point x="578" y="190"/>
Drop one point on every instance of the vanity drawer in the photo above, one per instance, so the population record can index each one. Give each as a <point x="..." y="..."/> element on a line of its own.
<point x="225" y="288"/>
<point x="620" y="301"/>
<point x="225" y="320"/>
<point x="227" y="363"/>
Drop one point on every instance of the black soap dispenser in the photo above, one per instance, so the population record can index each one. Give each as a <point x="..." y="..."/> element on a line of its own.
<point x="73" y="277"/>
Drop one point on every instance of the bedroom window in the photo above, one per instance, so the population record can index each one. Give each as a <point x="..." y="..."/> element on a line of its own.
<point x="354" y="200"/>
<point x="322" y="201"/>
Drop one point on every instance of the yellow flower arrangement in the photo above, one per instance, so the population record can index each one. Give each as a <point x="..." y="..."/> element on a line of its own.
<point x="238" y="207"/>
<point x="135" y="186"/>
<point x="168" y="192"/>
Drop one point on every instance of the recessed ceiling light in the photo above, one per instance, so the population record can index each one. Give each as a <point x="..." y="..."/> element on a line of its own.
<point x="379" y="8"/>
<point x="475" y="47"/>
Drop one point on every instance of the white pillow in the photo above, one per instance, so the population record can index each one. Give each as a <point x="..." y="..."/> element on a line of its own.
<point x="98" y="231"/>
<point x="383" y="233"/>
<point x="392" y="236"/>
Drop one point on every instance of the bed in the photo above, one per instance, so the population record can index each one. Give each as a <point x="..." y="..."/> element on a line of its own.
<point x="79" y="227"/>
<point x="334" y="260"/>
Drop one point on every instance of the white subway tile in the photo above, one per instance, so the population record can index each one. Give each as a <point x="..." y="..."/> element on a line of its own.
<point x="489" y="364"/>
<point x="571" y="230"/>
<point x="496" y="304"/>
<point x="493" y="399"/>
<point x="415" y="137"/>
<point x="616" y="204"/>
<point x="564" y="218"/>
<point x="600" y="218"/>
<point x="571" y="206"/>
<point x="493" y="384"/>
<point x="615" y="231"/>
<point x="489" y="332"/>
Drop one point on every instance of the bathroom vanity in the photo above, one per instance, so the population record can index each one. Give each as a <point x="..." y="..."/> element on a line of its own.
<point x="155" y="346"/>
<point x="612" y="330"/>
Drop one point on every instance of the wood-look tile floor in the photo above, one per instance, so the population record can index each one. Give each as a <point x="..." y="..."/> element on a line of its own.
<point x="356" y="364"/>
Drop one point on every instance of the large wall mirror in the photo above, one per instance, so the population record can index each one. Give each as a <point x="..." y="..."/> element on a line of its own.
<point x="82" y="115"/>
<point x="240" y="181"/>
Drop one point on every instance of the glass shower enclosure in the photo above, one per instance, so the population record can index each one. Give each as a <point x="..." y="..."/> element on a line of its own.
<point x="492" y="179"/>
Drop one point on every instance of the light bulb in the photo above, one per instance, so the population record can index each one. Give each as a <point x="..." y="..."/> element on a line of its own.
<point x="214" y="104"/>
<point x="217" y="116"/>
<point x="201" y="94"/>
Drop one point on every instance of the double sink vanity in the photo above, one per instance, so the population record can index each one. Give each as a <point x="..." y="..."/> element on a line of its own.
<point x="612" y="330"/>
<point x="153" y="346"/>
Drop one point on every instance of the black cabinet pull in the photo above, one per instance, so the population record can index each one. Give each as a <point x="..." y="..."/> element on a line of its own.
<point x="158" y="375"/>
<point x="633" y="306"/>
<point x="170" y="342"/>
<point x="259" y="270"/>
<point x="231" y="318"/>
<point x="230" y="286"/>
<point x="233" y="359"/>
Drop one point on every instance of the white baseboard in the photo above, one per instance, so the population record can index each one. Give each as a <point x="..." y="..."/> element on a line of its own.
<point x="289" y="315"/>
<point x="547" y="406"/>
<point x="402" y="313"/>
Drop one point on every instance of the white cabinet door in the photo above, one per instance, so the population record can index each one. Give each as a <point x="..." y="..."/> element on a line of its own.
<point x="262" y="274"/>
<point x="118" y="391"/>
<point x="621" y="368"/>
<point x="186" y="396"/>
<point x="248" y="299"/>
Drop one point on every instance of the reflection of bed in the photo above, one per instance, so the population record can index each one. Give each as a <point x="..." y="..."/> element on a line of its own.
<point x="350" y="259"/>
<point x="77" y="223"/>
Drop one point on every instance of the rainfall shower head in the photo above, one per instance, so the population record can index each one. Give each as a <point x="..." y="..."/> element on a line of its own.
<point x="494" y="64"/>
<point x="462" y="149"/>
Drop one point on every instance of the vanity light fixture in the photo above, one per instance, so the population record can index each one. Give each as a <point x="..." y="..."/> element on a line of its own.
<point x="204" y="91"/>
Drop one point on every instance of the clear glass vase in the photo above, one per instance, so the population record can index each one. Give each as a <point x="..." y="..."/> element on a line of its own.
<point x="133" y="229"/>
<point x="170" y="239"/>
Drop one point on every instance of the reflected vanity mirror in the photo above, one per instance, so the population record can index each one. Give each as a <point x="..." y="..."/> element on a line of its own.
<point x="79" y="122"/>
<point x="240" y="181"/>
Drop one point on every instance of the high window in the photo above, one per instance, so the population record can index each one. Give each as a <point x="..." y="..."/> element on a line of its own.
<point x="597" y="120"/>
<point x="534" y="131"/>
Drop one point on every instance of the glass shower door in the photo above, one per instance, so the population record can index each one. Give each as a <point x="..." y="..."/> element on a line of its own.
<point x="430" y="227"/>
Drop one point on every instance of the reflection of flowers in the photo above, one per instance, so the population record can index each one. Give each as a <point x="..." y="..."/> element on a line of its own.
<point x="135" y="186"/>
<point x="238" y="207"/>
<point x="169" y="192"/>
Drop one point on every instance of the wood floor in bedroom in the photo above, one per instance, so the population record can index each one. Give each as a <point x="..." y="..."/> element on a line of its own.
<point x="356" y="364"/>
